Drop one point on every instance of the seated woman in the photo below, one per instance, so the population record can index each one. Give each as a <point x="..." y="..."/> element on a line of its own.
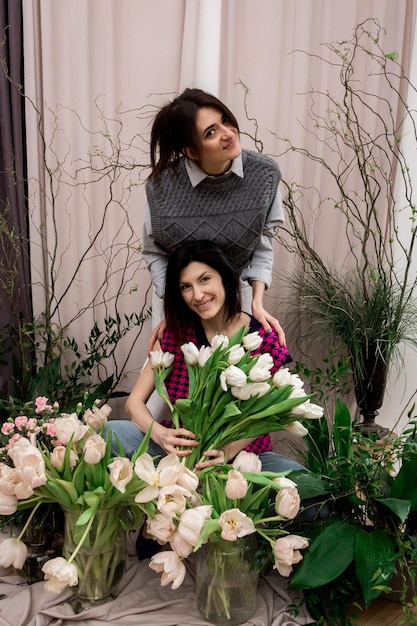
<point x="202" y="299"/>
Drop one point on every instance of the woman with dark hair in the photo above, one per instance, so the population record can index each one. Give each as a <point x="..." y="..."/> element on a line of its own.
<point x="201" y="300"/>
<point x="204" y="186"/>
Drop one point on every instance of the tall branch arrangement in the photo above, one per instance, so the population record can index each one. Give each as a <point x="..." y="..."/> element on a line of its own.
<point x="361" y="148"/>
<point x="101" y="256"/>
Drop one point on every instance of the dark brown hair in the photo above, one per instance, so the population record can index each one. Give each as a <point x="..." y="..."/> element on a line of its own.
<point x="174" y="127"/>
<point x="178" y="315"/>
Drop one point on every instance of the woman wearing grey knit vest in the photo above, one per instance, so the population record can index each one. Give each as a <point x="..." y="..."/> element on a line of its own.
<point x="204" y="186"/>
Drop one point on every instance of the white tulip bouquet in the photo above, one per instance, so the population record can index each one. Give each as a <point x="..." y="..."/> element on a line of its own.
<point x="232" y="394"/>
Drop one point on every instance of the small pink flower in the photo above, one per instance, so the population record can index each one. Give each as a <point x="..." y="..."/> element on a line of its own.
<point x="41" y="404"/>
<point x="21" y="421"/>
<point x="50" y="429"/>
<point x="7" y="428"/>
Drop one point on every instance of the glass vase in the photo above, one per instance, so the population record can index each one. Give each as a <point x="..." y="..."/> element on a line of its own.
<point x="227" y="581"/>
<point x="101" y="559"/>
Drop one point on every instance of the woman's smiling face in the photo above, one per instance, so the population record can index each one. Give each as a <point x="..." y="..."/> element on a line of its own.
<point x="203" y="292"/>
<point x="219" y="141"/>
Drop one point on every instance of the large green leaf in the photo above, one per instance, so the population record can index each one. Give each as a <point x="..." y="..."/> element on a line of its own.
<point x="374" y="562"/>
<point x="405" y="484"/>
<point x="399" y="507"/>
<point x="309" y="485"/>
<point x="327" y="556"/>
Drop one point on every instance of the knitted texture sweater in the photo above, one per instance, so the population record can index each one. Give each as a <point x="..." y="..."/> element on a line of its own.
<point x="177" y="382"/>
<point x="227" y="210"/>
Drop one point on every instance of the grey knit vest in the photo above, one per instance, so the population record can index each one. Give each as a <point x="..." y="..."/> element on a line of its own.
<point x="227" y="210"/>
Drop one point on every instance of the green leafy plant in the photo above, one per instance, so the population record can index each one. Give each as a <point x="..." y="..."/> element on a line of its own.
<point x="371" y="532"/>
<point x="362" y="140"/>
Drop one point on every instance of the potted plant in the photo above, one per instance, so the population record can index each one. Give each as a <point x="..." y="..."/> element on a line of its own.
<point x="371" y="534"/>
<point x="365" y="305"/>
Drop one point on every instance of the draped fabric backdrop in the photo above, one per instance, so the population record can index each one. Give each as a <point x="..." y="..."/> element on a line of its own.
<point x="12" y="182"/>
<point x="95" y="70"/>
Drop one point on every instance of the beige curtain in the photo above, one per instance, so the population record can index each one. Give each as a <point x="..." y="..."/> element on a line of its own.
<point x="96" y="70"/>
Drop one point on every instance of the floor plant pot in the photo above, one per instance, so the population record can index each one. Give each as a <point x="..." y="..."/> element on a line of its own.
<point x="370" y="390"/>
<point x="101" y="559"/>
<point x="226" y="581"/>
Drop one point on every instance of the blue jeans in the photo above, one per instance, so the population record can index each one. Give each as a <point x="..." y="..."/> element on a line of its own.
<point x="131" y="437"/>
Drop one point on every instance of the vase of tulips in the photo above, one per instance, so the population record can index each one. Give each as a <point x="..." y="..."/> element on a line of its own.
<point x="227" y="580"/>
<point x="101" y="557"/>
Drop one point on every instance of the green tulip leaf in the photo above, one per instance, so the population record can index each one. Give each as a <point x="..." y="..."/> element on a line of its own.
<point x="327" y="557"/>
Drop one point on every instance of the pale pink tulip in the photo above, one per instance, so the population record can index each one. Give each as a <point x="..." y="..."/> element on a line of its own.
<point x="161" y="527"/>
<point x="121" y="473"/>
<point x="31" y="475"/>
<point x="59" y="574"/>
<point x="235" y="524"/>
<point x="188" y="479"/>
<point x="236" y="485"/>
<point x="96" y="417"/>
<point x="8" y="480"/>
<point x="94" y="449"/>
<point x="57" y="457"/>
<point x="192" y="521"/>
<point x="13" y="552"/>
<point x="8" y="504"/>
<point x="287" y="502"/>
<point x="286" y="553"/>
<point x="172" y="499"/>
<point x="167" y="472"/>
<point x="172" y="568"/>
<point x="247" y="462"/>
<point x="180" y="546"/>
<point x="67" y="426"/>
<point x="22" y="453"/>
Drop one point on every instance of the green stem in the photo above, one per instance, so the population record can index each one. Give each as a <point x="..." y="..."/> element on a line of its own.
<point x="28" y="521"/>
<point x="80" y="543"/>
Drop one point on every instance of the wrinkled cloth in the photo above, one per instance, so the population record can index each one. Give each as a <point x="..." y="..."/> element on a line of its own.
<point x="140" y="601"/>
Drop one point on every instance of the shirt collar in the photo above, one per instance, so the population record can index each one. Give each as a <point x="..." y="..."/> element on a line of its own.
<point x="196" y="174"/>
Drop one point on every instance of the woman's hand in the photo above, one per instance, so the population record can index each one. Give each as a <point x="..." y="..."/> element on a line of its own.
<point x="214" y="457"/>
<point x="157" y="334"/>
<point x="177" y="440"/>
<point x="262" y="316"/>
<point x="268" y="322"/>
